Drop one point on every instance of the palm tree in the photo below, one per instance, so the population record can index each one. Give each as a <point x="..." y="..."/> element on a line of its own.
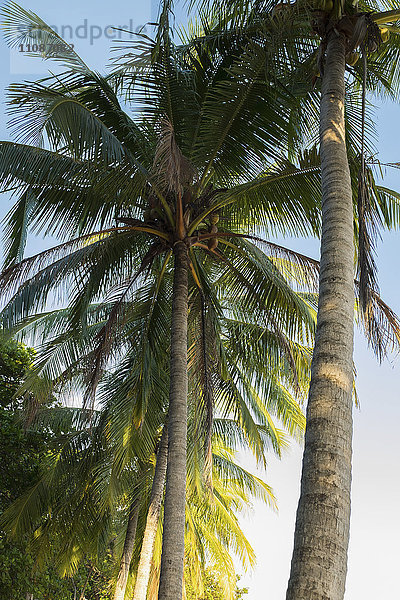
<point x="323" y="515"/>
<point x="280" y="362"/>
<point x="319" y="561"/>
<point x="155" y="189"/>
<point x="123" y="574"/>
<point x="152" y="520"/>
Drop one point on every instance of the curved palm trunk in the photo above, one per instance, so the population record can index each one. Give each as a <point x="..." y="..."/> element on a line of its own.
<point x="174" y="503"/>
<point x="146" y="553"/>
<point x="127" y="552"/>
<point x="319" y="562"/>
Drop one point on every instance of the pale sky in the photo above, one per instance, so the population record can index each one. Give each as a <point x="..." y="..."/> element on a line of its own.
<point x="375" y="532"/>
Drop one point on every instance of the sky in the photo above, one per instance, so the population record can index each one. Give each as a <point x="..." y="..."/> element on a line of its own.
<point x="374" y="554"/>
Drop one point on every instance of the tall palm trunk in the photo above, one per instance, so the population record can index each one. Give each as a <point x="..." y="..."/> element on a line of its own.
<point x="127" y="552"/>
<point x="146" y="553"/>
<point x="174" y="504"/>
<point x="319" y="562"/>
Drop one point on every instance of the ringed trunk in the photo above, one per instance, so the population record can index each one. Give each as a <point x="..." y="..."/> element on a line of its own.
<point x="127" y="552"/>
<point x="319" y="562"/>
<point x="153" y="515"/>
<point x="174" y="504"/>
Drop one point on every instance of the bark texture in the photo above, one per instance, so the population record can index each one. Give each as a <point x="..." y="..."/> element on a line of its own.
<point x="127" y="552"/>
<point x="319" y="563"/>
<point x="153" y="515"/>
<point x="174" y="503"/>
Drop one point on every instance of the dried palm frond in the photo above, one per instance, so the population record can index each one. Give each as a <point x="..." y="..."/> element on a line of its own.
<point x="171" y="168"/>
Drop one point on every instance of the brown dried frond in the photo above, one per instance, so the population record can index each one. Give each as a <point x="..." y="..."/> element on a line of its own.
<point x="171" y="168"/>
<point x="381" y="325"/>
<point x="366" y="267"/>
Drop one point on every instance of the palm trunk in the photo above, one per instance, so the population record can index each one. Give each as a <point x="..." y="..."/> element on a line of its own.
<point x="146" y="553"/>
<point x="319" y="563"/>
<point x="174" y="504"/>
<point x="127" y="552"/>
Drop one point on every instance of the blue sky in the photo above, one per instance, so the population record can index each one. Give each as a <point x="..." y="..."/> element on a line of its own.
<point x="374" y="549"/>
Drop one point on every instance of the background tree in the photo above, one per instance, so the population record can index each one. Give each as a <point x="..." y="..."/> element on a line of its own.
<point x="22" y="452"/>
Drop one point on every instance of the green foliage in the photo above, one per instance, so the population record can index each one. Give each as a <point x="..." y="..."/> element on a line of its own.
<point x="212" y="588"/>
<point x="15" y="359"/>
<point x="21" y="454"/>
<point x="20" y="450"/>
<point x="18" y="577"/>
